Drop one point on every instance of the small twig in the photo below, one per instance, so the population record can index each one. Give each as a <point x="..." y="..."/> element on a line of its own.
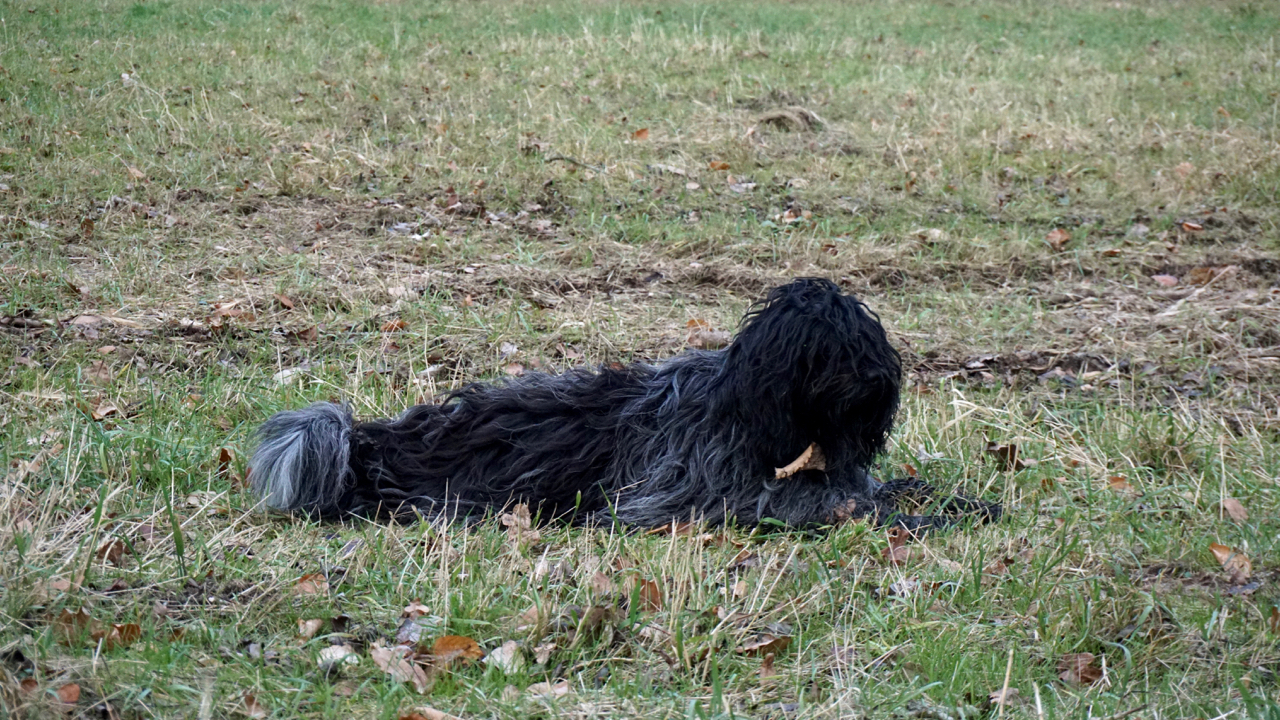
<point x="579" y="163"/>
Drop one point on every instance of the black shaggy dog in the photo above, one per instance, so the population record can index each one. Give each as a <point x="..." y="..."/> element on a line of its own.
<point x="784" y="424"/>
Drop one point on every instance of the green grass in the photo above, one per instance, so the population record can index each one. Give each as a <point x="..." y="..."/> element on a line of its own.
<point x="473" y="170"/>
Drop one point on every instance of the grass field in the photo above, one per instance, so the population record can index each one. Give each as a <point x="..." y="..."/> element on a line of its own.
<point x="1066" y="214"/>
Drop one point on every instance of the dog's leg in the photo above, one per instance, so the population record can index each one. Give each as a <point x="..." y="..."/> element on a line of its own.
<point x="943" y="512"/>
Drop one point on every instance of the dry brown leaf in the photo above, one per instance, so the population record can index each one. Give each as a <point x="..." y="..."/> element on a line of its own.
<point x="765" y="644"/>
<point x="99" y="372"/>
<point x="1235" y="563"/>
<point x="811" y="459"/>
<point x="1274" y="621"/>
<point x="1120" y="484"/>
<point x="766" y="666"/>
<point x="514" y="369"/>
<point x="641" y="134"/>
<point x="428" y="713"/>
<point x="1006" y="457"/>
<point x="284" y="301"/>
<point x="452" y="648"/>
<point x="1235" y="509"/>
<point x="394" y="325"/>
<point x="69" y="693"/>
<point x="519" y="525"/>
<point x="415" y="609"/>
<point x="508" y="658"/>
<point x="118" y="635"/>
<point x="897" y="553"/>
<point x="718" y="165"/>
<point x="1079" y="669"/>
<point x="307" y="629"/>
<point x="253" y="708"/>
<point x="1190" y="226"/>
<point x="311" y="584"/>
<point x="113" y="551"/>
<point x="398" y="663"/>
<point x="600" y="583"/>
<point x="1004" y="697"/>
<point x="69" y="626"/>
<point x="1058" y="239"/>
<point x="650" y="595"/>
<point x="549" y="690"/>
<point x="135" y="173"/>
<point x="104" y="410"/>
<point x="1165" y="280"/>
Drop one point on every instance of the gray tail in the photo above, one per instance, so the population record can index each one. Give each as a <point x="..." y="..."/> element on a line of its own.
<point x="303" y="458"/>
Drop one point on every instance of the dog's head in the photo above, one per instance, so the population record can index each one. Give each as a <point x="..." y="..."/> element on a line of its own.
<point x="820" y="361"/>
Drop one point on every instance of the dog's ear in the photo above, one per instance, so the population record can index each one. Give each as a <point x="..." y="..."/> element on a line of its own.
<point x="820" y="361"/>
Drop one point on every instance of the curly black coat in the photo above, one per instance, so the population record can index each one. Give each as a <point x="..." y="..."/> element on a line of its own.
<point x="698" y="436"/>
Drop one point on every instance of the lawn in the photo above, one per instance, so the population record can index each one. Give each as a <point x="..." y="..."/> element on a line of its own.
<point x="1065" y="213"/>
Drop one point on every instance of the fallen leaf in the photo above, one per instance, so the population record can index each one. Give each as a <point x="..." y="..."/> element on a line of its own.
<point x="113" y="551"/>
<point x="1058" y="238"/>
<point x="1120" y="484"/>
<point x="508" y="658"/>
<point x="1003" y="697"/>
<point x="69" y="626"/>
<point x="519" y="525"/>
<point x="104" y="410"/>
<point x="397" y="662"/>
<point x="1235" y="563"/>
<point x="284" y="301"/>
<point x="811" y="459"/>
<point x="1192" y="226"/>
<point x="718" y="165"/>
<point x="307" y="629"/>
<point x="1079" y="669"/>
<point x="600" y="583"/>
<point x="428" y="713"/>
<point x="450" y="648"/>
<point x="135" y="173"/>
<point x="415" y="609"/>
<point x="897" y="553"/>
<point x="514" y="369"/>
<point x="766" y="666"/>
<point x="99" y="372"/>
<point x="765" y="644"/>
<point x="549" y="690"/>
<point x="1274" y="621"/>
<point x="650" y="595"/>
<point x="118" y="635"/>
<point x="394" y="325"/>
<point x="311" y="584"/>
<point x="252" y="708"/>
<point x="1234" y="509"/>
<point x="1165" y="280"/>
<point x="1007" y="457"/>
<point x="335" y="656"/>
<point x="641" y="134"/>
<point x="69" y="693"/>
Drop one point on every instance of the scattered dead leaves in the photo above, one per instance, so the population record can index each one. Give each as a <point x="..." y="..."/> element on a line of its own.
<point x="519" y="525"/>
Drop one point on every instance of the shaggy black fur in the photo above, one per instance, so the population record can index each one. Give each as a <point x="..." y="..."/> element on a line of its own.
<point x="698" y="436"/>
